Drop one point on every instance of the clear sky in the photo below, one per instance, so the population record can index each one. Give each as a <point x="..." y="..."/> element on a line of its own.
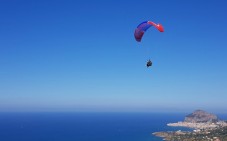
<point x="66" y="55"/>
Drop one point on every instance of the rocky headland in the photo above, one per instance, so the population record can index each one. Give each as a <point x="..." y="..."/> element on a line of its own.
<point x="207" y="127"/>
<point x="199" y="116"/>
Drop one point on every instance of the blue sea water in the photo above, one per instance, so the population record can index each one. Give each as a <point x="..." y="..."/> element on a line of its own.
<point x="84" y="126"/>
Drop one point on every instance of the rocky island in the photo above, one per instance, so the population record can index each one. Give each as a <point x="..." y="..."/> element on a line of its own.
<point x="207" y="127"/>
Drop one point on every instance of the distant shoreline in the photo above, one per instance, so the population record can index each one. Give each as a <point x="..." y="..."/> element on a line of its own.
<point x="206" y="127"/>
<point x="197" y="126"/>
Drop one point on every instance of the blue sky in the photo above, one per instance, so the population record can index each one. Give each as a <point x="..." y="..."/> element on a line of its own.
<point x="82" y="56"/>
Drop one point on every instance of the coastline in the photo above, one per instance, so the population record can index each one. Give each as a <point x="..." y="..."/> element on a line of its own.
<point x="199" y="126"/>
<point x="208" y="131"/>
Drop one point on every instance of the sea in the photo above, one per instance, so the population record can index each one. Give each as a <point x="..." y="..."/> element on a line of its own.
<point x="85" y="126"/>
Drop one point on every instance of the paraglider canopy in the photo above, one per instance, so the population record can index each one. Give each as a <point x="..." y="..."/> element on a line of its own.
<point x="142" y="28"/>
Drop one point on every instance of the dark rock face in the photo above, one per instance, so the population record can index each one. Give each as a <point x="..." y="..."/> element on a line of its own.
<point x="201" y="116"/>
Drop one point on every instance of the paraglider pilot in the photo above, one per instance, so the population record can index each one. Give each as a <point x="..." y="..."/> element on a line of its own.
<point x="149" y="63"/>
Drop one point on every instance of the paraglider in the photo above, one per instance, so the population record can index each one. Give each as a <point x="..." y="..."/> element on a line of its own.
<point x="149" y="63"/>
<point x="142" y="28"/>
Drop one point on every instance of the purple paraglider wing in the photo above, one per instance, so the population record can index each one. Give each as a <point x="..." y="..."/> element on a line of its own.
<point x="142" y="28"/>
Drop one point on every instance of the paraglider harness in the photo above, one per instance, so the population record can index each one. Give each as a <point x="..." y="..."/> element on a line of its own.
<point x="149" y="63"/>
